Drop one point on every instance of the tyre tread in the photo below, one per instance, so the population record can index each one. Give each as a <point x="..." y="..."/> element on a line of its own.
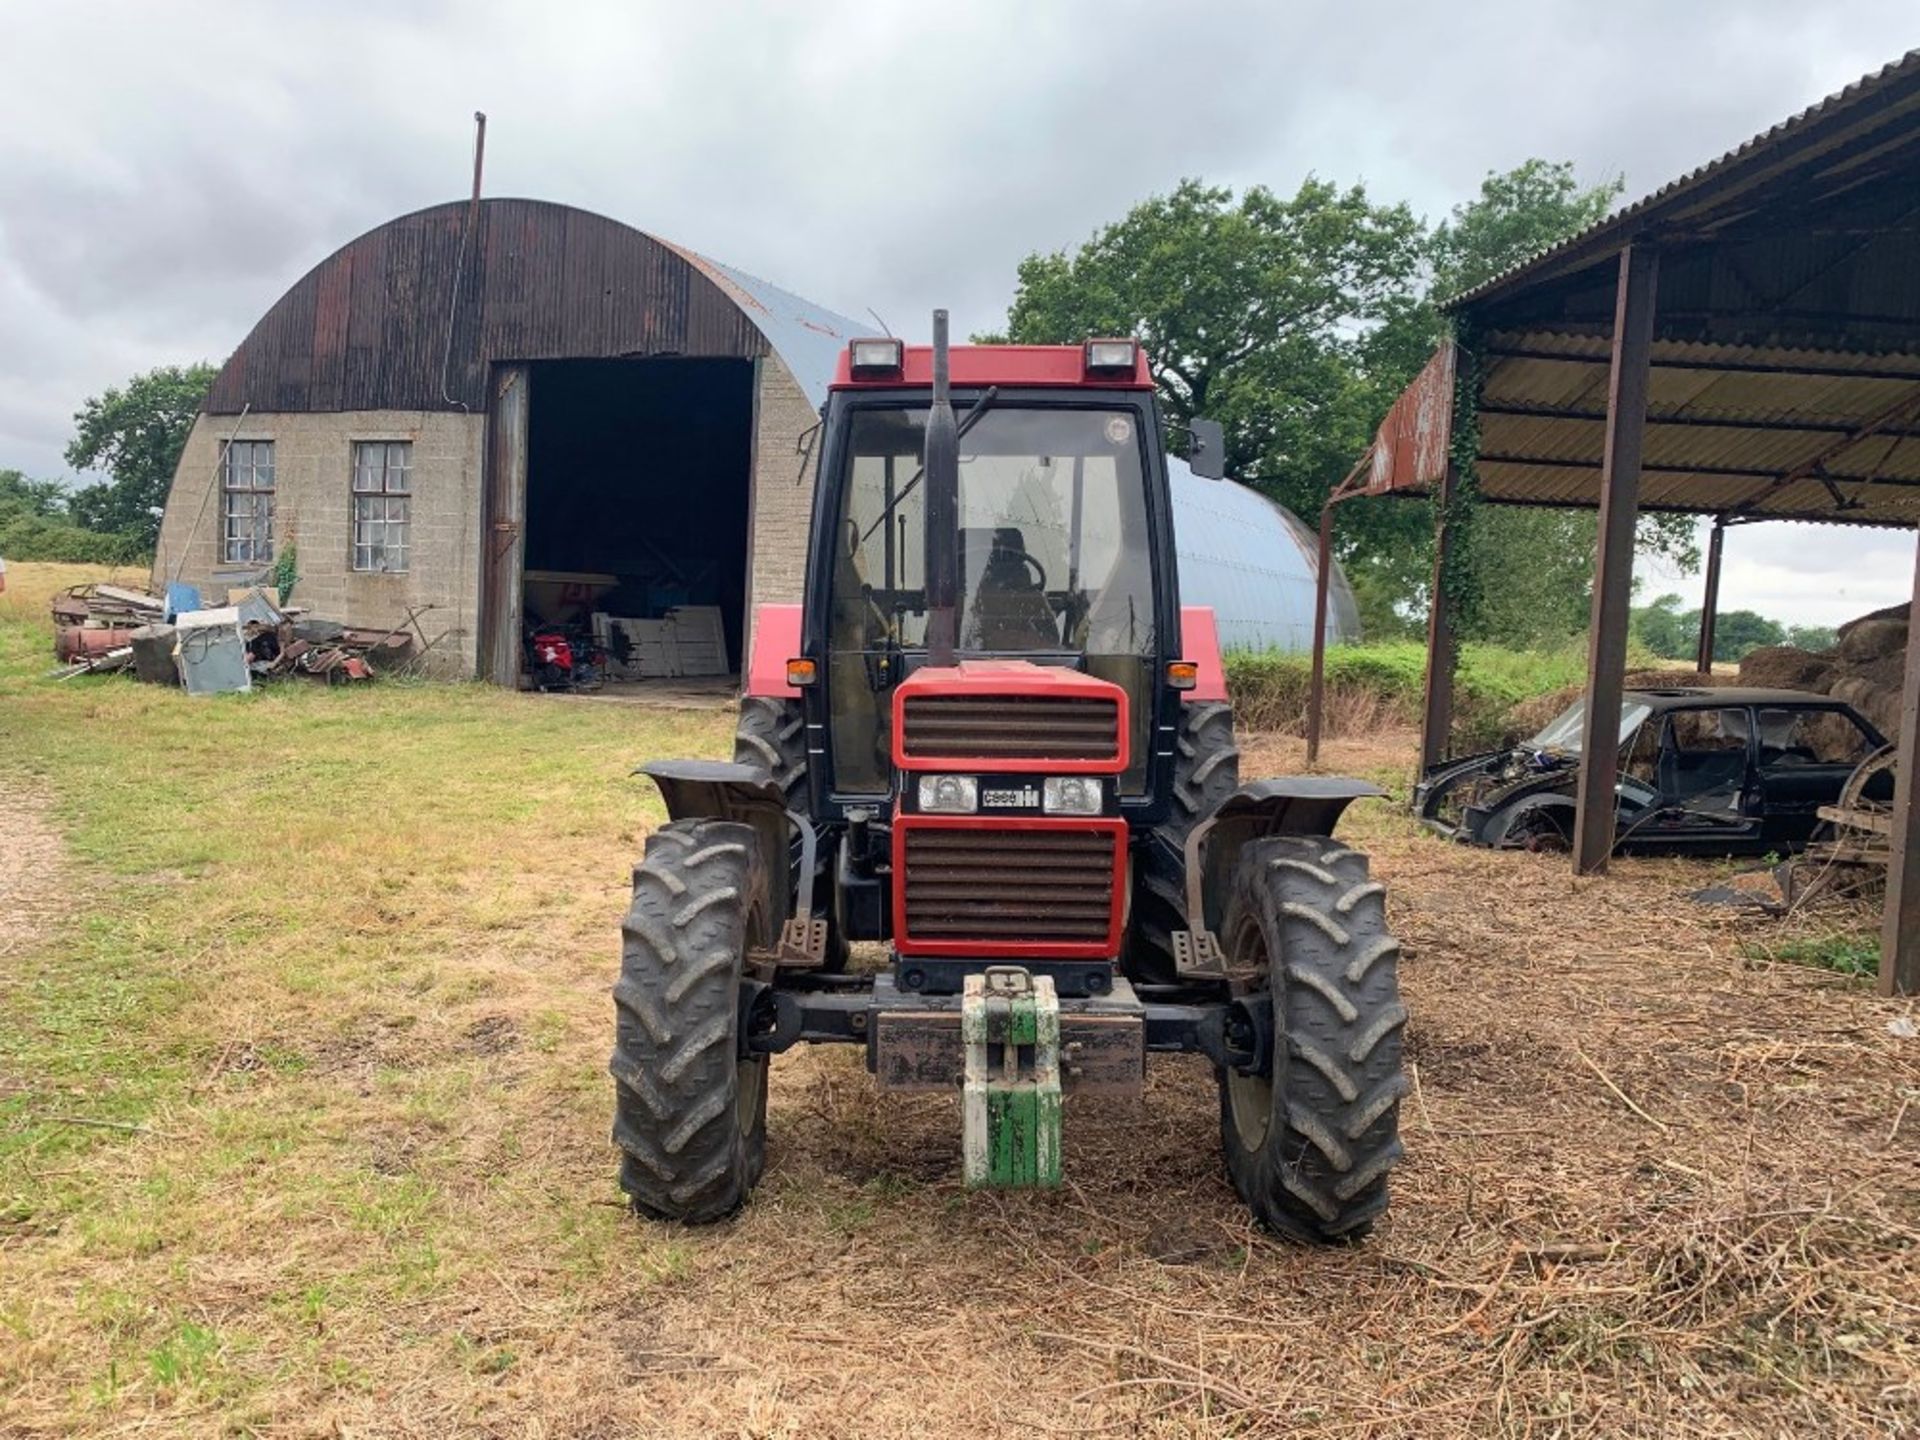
<point x="685" y="1153"/>
<point x="1321" y="1173"/>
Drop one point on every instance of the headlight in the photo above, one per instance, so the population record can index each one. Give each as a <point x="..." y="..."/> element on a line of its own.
<point x="949" y="794"/>
<point x="1071" y="795"/>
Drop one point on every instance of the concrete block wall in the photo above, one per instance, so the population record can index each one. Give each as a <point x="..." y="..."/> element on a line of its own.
<point x="313" y="479"/>
<point x="782" y="509"/>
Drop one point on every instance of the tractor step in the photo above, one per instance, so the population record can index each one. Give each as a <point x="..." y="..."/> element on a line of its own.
<point x="1010" y="1101"/>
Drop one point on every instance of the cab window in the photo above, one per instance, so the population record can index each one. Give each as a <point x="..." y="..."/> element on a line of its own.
<point x="1706" y="750"/>
<point x="1796" y="738"/>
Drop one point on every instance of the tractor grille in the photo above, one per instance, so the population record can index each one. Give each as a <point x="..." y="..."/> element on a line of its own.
<point x="995" y="884"/>
<point x="1011" y="727"/>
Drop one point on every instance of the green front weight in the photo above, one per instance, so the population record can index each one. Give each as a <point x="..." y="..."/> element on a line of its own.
<point x="1010" y="1106"/>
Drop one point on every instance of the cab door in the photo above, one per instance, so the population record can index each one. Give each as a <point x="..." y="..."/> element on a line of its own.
<point x="1706" y="776"/>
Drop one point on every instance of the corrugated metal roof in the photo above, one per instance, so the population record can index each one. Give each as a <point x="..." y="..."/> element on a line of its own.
<point x="1728" y="426"/>
<point x="369" y="327"/>
<point x="1254" y="562"/>
<point x="1889" y="97"/>
<point x="808" y="338"/>
<point x="1785" y="379"/>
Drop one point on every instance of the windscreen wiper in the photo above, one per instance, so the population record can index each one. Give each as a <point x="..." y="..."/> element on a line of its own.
<point x="980" y="407"/>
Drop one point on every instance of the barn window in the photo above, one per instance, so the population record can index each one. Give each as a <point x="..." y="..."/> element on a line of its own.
<point x="382" y="497"/>
<point x="246" y="485"/>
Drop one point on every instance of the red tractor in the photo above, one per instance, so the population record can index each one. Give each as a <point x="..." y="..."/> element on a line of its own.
<point x="992" y="740"/>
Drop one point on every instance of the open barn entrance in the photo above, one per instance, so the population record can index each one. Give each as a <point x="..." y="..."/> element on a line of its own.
<point x="636" y="511"/>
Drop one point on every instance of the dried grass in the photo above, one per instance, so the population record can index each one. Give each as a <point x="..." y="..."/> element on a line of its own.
<point x="1651" y="1189"/>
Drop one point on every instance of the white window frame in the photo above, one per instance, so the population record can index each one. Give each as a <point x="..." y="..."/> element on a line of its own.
<point x="246" y="503"/>
<point x="380" y="539"/>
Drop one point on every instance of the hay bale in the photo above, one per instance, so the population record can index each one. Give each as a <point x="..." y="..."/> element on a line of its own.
<point x="1886" y="673"/>
<point x="1871" y="636"/>
<point x="1902" y="613"/>
<point x="1786" y="667"/>
<point x="1879" y="703"/>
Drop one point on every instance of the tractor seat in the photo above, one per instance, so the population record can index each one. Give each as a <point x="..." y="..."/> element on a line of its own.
<point x="1007" y="606"/>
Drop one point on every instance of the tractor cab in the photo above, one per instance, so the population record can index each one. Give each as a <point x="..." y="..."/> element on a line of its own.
<point x="991" y="746"/>
<point x="1061" y="540"/>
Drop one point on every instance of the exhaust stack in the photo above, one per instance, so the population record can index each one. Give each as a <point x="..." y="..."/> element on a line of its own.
<point x="942" y="469"/>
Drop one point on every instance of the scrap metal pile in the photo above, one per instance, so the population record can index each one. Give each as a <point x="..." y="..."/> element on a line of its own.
<point x="173" y="639"/>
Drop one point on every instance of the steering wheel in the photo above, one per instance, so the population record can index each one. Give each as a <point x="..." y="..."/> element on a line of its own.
<point x="1039" y="570"/>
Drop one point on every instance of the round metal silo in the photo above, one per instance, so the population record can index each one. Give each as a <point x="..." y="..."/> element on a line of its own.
<point x="1254" y="563"/>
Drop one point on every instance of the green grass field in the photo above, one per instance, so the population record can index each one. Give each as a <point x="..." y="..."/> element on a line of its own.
<point x="297" y="932"/>
<point x="304" y="1132"/>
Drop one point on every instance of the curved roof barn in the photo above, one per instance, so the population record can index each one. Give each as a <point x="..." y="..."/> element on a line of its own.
<point x="495" y="413"/>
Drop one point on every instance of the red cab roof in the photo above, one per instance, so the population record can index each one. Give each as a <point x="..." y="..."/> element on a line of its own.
<point x="1008" y="365"/>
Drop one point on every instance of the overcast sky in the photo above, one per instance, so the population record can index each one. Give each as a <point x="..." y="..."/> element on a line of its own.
<point x="168" y="168"/>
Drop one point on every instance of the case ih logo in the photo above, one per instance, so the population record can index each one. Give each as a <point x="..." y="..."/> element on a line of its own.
<point x="1024" y="798"/>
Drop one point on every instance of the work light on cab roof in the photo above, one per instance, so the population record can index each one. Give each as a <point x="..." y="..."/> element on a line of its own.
<point x="875" y="359"/>
<point x="992" y="740"/>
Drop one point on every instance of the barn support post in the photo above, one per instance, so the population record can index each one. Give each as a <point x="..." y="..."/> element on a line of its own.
<point x="1900" y="924"/>
<point x="1436" y="711"/>
<point x="1317" y="687"/>
<point x="503" y="522"/>
<point x="1710" y="602"/>
<point x="1594" y="819"/>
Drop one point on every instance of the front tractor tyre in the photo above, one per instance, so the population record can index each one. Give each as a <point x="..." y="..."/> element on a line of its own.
<point x="690" y="1115"/>
<point x="1310" y="1143"/>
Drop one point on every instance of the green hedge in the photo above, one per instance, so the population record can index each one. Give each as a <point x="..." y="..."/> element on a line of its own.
<point x="1371" y="686"/>
<point x="35" y="537"/>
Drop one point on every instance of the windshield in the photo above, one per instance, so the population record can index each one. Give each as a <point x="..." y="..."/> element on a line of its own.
<point x="1053" y="543"/>
<point x="1567" y="729"/>
<point x="1055" y="556"/>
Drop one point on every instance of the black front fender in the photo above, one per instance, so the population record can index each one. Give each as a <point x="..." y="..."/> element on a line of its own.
<point x="1434" y="786"/>
<point x="723" y="790"/>
<point x="1287" y="805"/>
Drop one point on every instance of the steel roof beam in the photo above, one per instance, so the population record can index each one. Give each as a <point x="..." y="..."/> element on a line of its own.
<point x="1730" y="367"/>
<point x="1702" y="422"/>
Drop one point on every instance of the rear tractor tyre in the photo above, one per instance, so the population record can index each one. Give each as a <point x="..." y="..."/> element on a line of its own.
<point x="1309" y="1145"/>
<point x="772" y="738"/>
<point x="690" y="1116"/>
<point x="1206" y="770"/>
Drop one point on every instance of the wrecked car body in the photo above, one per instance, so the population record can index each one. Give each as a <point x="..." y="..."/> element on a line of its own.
<point x="1715" y="771"/>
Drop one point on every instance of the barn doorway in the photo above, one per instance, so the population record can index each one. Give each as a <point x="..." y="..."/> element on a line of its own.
<point x="634" y="541"/>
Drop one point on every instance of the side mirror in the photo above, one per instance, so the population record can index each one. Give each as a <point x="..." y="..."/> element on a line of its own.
<point x="1207" y="455"/>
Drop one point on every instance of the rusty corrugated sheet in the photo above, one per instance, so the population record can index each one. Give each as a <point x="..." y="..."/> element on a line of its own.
<point x="367" y="328"/>
<point x="1410" y="448"/>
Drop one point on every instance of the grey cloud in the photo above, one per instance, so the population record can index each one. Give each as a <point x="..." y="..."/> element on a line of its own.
<point x="167" y="170"/>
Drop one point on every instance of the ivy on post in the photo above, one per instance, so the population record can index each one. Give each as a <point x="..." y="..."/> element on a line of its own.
<point x="1455" y="592"/>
